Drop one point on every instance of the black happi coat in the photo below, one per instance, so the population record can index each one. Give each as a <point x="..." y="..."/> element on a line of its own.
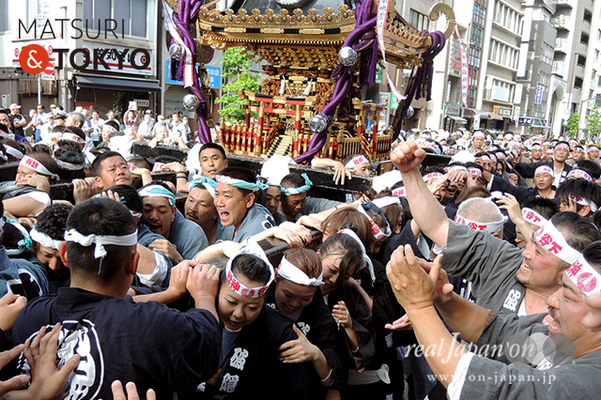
<point x="320" y="328"/>
<point x="147" y="343"/>
<point x="252" y="370"/>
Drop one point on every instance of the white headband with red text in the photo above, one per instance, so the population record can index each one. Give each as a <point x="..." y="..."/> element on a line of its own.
<point x="552" y="240"/>
<point x="579" y="173"/>
<point x="584" y="202"/>
<point x="543" y="169"/>
<point x="491" y="227"/>
<point x="585" y="277"/>
<point x="250" y="293"/>
<point x="356" y="161"/>
<point x="533" y="217"/>
<point x="37" y="166"/>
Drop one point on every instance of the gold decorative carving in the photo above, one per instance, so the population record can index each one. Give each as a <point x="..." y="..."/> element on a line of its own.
<point x="312" y="31"/>
<point x="274" y="31"/>
<point x="235" y="29"/>
<point x="285" y="19"/>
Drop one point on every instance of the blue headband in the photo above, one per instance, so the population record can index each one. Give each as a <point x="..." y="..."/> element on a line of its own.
<point x="207" y="183"/>
<point x="298" y="190"/>
<point x="157" y="191"/>
<point x="241" y="184"/>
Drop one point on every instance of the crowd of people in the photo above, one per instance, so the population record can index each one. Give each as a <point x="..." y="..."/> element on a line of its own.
<point x="421" y="286"/>
<point x="140" y="125"/>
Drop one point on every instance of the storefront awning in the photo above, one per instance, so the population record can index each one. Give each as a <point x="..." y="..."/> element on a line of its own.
<point x="124" y="85"/>
<point x="458" y="120"/>
<point x="495" y="117"/>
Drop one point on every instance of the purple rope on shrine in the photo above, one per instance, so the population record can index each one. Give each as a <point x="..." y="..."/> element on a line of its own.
<point x="421" y="83"/>
<point x="187" y="10"/>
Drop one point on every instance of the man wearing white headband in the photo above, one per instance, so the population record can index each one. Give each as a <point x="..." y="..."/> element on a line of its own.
<point x="521" y="366"/>
<point x="235" y="197"/>
<point x="592" y="152"/>
<point x="580" y="196"/>
<point x="47" y="235"/>
<point x="478" y="141"/>
<point x="102" y="324"/>
<point x="576" y="155"/>
<point x="536" y="152"/>
<point x="543" y="181"/>
<point x="357" y="164"/>
<point x="558" y="164"/>
<point x="183" y="238"/>
<point x="34" y="174"/>
<point x="503" y="277"/>
<point x="535" y="213"/>
<point x="481" y="214"/>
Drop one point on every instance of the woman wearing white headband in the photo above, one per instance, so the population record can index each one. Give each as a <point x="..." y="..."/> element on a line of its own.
<point x="34" y="174"/>
<point x="252" y="336"/>
<point x="341" y="257"/>
<point x="296" y="294"/>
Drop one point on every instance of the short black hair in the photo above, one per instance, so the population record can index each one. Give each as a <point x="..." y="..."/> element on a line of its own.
<point x="241" y="173"/>
<point x="579" y="188"/>
<point x="292" y="180"/>
<point x="47" y="161"/>
<point x="97" y="164"/>
<point x="69" y="151"/>
<point x="131" y="198"/>
<point x="592" y="254"/>
<point x="53" y="220"/>
<point x="578" y="231"/>
<point x="545" y="207"/>
<point x="590" y="167"/>
<point x="213" y="146"/>
<point x="76" y="131"/>
<point x="42" y="148"/>
<point x="250" y="267"/>
<point x="112" y="124"/>
<point x="105" y="217"/>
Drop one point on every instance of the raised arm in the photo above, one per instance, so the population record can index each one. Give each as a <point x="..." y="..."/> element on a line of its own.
<point x="417" y="291"/>
<point x="426" y="210"/>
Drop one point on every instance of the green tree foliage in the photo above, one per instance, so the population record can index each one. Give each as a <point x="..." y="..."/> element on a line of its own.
<point x="593" y="121"/>
<point x="236" y="63"/>
<point x="573" y="124"/>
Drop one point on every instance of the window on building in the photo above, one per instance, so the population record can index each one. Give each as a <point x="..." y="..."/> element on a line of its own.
<point x="598" y="34"/>
<point x="501" y="91"/>
<point x="581" y="62"/>
<point x="133" y="13"/>
<point x="476" y="36"/>
<point x="4" y="17"/>
<point x="547" y="53"/>
<point x="418" y="20"/>
<point x="577" y="83"/>
<point x="596" y="55"/>
<point x="587" y="16"/>
<point x="584" y="38"/>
